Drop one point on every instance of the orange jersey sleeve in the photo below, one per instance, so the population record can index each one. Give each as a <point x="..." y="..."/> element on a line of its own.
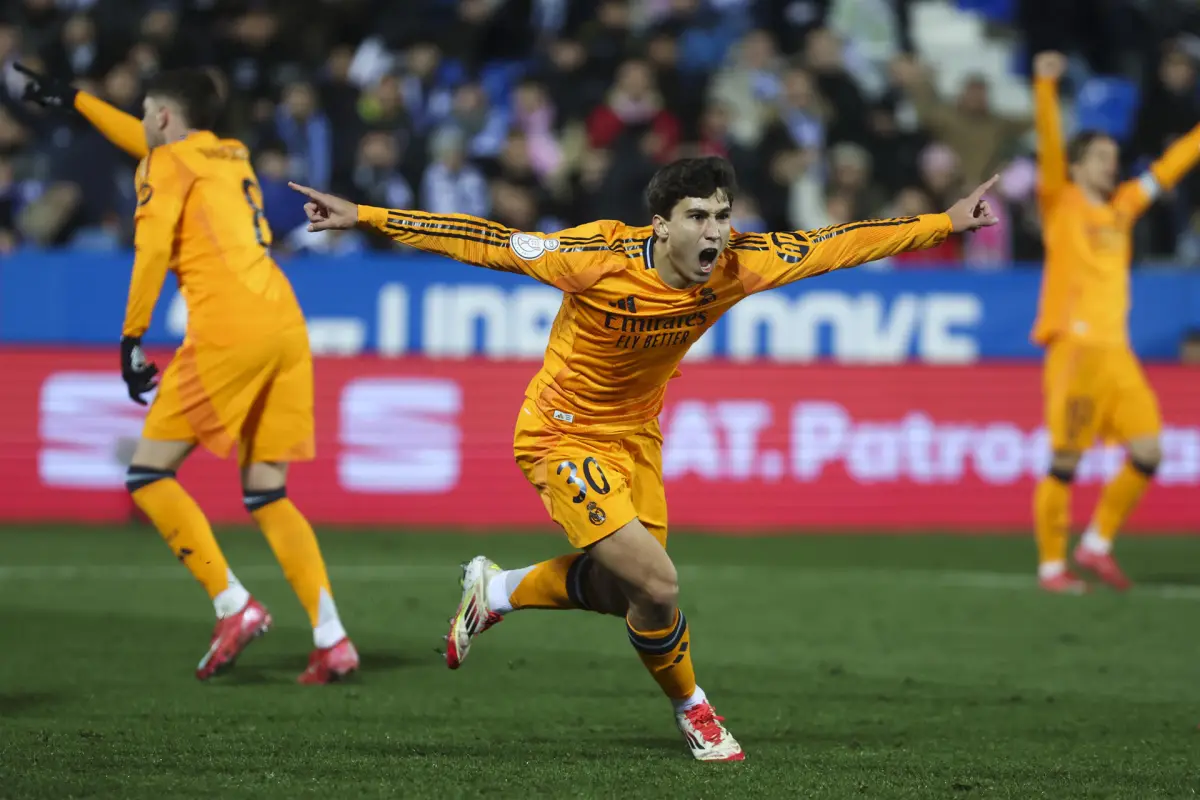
<point x="161" y="188"/>
<point x="201" y="216"/>
<point x="123" y="130"/>
<point x="775" y="259"/>
<point x="1133" y="197"/>
<point x="570" y="260"/>
<point x="1051" y="151"/>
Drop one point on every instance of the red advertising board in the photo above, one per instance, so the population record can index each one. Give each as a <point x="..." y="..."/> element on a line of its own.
<point x="749" y="448"/>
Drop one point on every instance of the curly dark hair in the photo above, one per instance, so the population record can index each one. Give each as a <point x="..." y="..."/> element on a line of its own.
<point x="689" y="177"/>
<point x="1081" y="142"/>
<point x="195" y="91"/>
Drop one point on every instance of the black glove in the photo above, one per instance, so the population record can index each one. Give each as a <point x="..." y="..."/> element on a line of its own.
<point x="137" y="373"/>
<point x="46" y="92"/>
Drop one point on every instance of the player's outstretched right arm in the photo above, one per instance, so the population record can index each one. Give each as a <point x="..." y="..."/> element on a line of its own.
<point x="780" y="258"/>
<point x="123" y="130"/>
<point x="570" y="260"/>
<point x="1048" y="67"/>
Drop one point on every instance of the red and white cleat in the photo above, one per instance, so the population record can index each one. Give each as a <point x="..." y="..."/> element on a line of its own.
<point x="1103" y="566"/>
<point x="1065" y="582"/>
<point x="472" y="617"/>
<point x="230" y="637"/>
<point x="706" y="736"/>
<point x="330" y="664"/>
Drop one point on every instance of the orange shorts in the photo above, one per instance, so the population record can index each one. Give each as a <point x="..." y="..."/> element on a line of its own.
<point x="1096" y="391"/>
<point x="593" y="486"/>
<point x="258" y="396"/>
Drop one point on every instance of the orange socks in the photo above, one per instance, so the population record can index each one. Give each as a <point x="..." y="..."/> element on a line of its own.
<point x="561" y="583"/>
<point x="667" y="655"/>
<point x="182" y="524"/>
<point x="554" y="584"/>
<point x="1052" y="517"/>
<point x="1120" y="497"/>
<point x="295" y="546"/>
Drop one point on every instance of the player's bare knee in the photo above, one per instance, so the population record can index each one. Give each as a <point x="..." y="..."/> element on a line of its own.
<point x="658" y="597"/>
<point x="663" y="594"/>
<point x="264" y="476"/>
<point x="1063" y="464"/>
<point x="1145" y="455"/>
<point x="164" y="456"/>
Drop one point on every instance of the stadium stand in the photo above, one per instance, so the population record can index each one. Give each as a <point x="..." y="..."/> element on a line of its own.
<point x="544" y="113"/>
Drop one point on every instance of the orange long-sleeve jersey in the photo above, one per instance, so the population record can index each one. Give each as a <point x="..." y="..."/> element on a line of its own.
<point x="1085" y="283"/>
<point x="123" y="130"/>
<point x="200" y="215"/>
<point x="621" y="332"/>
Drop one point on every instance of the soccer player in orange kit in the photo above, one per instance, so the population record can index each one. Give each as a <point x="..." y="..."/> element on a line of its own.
<point x="244" y="374"/>
<point x="587" y="436"/>
<point x="1093" y="384"/>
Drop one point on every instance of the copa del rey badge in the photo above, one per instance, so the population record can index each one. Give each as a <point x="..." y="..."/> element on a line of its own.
<point x="528" y="247"/>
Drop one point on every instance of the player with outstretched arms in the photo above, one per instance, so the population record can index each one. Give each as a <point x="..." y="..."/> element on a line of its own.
<point x="1092" y="382"/>
<point x="587" y="435"/>
<point x="243" y="376"/>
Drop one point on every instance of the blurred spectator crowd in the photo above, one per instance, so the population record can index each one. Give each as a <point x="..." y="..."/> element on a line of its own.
<point x="542" y="114"/>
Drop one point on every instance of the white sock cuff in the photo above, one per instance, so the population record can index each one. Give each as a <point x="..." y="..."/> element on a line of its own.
<point x="1051" y="569"/>
<point x="1096" y="543"/>
<point x="329" y="630"/>
<point x="500" y="588"/>
<point x="696" y="699"/>
<point x="232" y="598"/>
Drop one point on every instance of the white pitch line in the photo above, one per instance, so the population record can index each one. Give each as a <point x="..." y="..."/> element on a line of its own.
<point x="382" y="573"/>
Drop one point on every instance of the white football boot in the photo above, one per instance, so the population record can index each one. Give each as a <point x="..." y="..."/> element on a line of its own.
<point x="706" y="736"/>
<point x="473" y="616"/>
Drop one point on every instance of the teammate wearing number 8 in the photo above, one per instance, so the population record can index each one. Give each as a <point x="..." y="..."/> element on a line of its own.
<point x="587" y="436"/>
<point x="243" y="377"/>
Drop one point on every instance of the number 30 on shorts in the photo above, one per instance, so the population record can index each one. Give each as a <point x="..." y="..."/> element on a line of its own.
<point x="590" y="466"/>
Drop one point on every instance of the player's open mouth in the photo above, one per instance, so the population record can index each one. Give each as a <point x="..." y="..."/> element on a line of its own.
<point x="708" y="257"/>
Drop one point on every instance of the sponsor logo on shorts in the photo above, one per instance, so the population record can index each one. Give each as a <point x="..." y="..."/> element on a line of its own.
<point x="596" y="514"/>
<point x="564" y="416"/>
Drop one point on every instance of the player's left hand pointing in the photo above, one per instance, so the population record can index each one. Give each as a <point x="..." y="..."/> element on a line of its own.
<point x="973" y="212"/>
<point x="326" y="212"/>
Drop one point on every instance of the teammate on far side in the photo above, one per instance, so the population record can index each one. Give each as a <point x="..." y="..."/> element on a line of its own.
<point x="1092" y="382"/>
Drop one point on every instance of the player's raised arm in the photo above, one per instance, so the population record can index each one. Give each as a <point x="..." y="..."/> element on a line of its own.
<point x="123" y="130"/>
<point x="1133" y="197"/>
<point x="1048" y="67"/>
<point x="776" y="259"/>
<point x="162" y="185"/>
<point x="570" y="260"/>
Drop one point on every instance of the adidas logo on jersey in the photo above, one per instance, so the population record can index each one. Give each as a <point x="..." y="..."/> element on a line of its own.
<point x="626" y="304"/>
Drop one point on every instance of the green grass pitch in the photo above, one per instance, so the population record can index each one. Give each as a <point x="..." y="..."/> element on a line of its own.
<point x="848" y="666"/>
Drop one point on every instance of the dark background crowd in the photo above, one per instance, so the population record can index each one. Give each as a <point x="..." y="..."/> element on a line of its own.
<point x="542" y="114"/>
